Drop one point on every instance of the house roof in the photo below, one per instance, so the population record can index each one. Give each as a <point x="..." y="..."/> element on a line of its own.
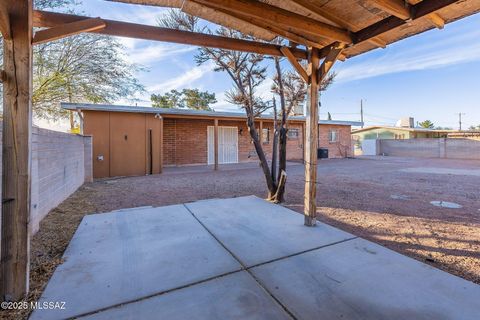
<point x="402" y="129"/>
<point x="188" y="113"/>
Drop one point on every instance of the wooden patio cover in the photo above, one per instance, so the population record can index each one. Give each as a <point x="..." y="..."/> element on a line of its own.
<point x="319" y="31"/>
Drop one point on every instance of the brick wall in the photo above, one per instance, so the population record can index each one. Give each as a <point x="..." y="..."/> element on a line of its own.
<point x="185" y="141"/>
<point x="61" y="163"/>
<point x="431" y="148"/>
<point x="340" y="149"/>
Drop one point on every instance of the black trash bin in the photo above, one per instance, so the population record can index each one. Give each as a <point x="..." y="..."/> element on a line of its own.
<point x="322" y="153"/>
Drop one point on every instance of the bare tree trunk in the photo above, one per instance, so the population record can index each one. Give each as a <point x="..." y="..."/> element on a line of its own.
<point x="72" y="121"/>
<point x="282" y="165"/>
<point x="274" y="143"/>
<point x="261" y="155"/>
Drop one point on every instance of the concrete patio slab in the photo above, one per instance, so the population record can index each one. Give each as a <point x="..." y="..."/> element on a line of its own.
<point x="184" y="262"/>
<point x="125" y="255"/>
<point x="358" y="279"/>
<point x="257" y="231"/>
<point x="235" y="296"/>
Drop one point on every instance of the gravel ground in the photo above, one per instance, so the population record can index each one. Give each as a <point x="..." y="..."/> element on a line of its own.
<point x="374" y="198"/>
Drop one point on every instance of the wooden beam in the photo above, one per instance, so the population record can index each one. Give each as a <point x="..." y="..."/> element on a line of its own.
<point x="280" y="16"/>
<point x="311" y="142"/>
<point x="319" y="10"/>
<point x="418" y="11"/>
<point x="5" y="21"/>
<point x="296" y="65"/>
<point x="139" y="31"/>
<point x="16" y="160"/>
<point x="215" y="144"/>
<point x="397" y="8"/>
<point x="436" y="20"/>
<point x="327" y="64"/>
<point x="279" y="30"/>
<point x="68" y="29"/>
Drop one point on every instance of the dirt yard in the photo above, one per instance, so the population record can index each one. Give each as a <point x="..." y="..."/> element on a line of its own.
<point x="386" y="200"/>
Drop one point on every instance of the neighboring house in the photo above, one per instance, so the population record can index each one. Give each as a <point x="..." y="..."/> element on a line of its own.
<point x="381" y="132"/>
<point x="373" y="133"/>
<point x="140" y="140"/>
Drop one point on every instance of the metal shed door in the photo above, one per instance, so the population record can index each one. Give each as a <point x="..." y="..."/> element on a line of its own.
<point x="227" y="145"/>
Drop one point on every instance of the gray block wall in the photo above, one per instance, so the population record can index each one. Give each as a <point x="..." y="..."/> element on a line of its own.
<point x="431" y="148"/>
<point x="61" y="163"/>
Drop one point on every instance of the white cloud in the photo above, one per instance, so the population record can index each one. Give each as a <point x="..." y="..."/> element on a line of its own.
<point x="135" y="13"/>
<point x="183" y="80"/>
<point x="432" y="55"/>
<point x="155" y="52"/>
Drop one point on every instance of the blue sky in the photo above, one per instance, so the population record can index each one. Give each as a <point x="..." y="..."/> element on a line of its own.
<point x="431" y="76"/>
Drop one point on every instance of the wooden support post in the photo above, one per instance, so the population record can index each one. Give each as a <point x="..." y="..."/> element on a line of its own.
<point x="310" y="206"/>
<point x="3" y="76"/>
<point x="316" y="77"/>
<point x="215" y="144"/>
<point x="160" y="170"/>
<point x="303" y="141"/>
<point x="17" y="118"/>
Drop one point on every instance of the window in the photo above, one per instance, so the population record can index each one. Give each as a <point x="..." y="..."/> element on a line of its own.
<point x="333" y="136"/>
<point x="293" y="134"/>
<point x="266" y="135"/>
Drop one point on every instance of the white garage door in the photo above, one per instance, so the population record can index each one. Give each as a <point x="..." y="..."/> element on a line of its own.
<point x="227" y="145"/>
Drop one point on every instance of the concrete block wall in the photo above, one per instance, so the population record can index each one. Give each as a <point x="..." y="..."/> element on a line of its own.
<point x="61" y="163"/>
<point x="431" y="148"/>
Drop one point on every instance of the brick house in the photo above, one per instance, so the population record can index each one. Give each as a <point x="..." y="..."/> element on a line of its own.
<point x="140" y="140"/>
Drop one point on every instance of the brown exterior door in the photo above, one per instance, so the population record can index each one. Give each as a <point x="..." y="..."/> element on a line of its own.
<point x="127" y="144"/>
<point x="97" y="124"/>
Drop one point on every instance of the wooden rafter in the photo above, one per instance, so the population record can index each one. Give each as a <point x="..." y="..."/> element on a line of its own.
<point x="422" y="9"/>
<point x="296" y="65"/>
<point x="315" y="8"/>
<point x="139" y="31"/>
<point x="276" y="29"/>
<point x="397" y="8"/>
<point x="5" y="21"/>
<point x="68" y="29"/>
<point x="283" y="17"/>
<point x="3" y="76"/>
<point x="332" y="56"/>
<point x="436" y="20"/>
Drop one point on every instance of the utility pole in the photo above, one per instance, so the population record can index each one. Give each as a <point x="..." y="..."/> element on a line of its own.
<point x="460" y="120"/>
<point x="361" y="111"/>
